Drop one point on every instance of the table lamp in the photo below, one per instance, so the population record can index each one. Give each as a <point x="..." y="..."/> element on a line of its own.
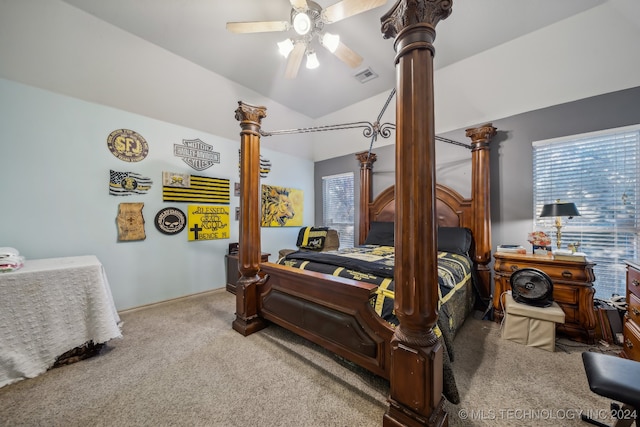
<point x="559" y="209"/>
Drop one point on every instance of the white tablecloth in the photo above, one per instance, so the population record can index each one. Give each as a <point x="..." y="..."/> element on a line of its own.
<point x="49" y="307"/>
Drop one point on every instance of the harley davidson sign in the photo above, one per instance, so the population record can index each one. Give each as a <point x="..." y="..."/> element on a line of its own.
<point x="196" y="153"/>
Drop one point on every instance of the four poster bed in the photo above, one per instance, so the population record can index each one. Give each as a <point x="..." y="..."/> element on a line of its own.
<point x="337" y="312"/>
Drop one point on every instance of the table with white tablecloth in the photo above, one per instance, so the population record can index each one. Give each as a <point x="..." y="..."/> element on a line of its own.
<point x="51" y="306"/>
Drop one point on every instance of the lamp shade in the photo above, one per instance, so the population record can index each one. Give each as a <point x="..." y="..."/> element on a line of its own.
<point x="559" y="209"/>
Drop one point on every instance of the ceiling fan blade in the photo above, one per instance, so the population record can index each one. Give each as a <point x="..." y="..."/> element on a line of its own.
<point x="299" y="4"/>
<point x="346" y="8"/>
<point x="295" y="59"/>
<point x="348" y="56"/>
<point x="257" y="27"/>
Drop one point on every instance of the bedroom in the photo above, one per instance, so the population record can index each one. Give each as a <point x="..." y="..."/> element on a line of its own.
<point x="67" y="199"/>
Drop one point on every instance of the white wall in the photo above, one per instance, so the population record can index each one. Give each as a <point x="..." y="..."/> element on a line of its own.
<point x="55" y="46"/>
<point x="54" y="169"/>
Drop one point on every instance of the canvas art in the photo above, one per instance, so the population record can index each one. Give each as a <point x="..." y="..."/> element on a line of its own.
<point x="281" y="207"/>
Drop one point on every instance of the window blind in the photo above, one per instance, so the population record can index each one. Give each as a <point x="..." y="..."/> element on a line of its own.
<point x="338" y="206"/>
<point x="599" y="173"/>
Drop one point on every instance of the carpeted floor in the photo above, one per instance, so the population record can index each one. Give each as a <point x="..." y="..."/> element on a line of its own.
<point x="180" y="364"/>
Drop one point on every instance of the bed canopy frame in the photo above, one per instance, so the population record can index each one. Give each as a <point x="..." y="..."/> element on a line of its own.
<point x="411" y="355"/>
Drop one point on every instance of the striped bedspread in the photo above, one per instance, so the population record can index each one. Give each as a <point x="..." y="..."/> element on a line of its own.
<point x="374" y="264"/>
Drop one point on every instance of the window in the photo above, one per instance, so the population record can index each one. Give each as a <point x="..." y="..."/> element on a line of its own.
<point x="338" y="206"/>
<point x="599" y="173"/>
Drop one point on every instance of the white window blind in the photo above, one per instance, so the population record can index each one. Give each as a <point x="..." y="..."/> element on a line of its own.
<point x="338" y="206"/>
<point x="599" y="173"/>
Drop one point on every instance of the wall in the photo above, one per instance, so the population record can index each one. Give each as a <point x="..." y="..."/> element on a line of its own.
<point x="54" y="169"/>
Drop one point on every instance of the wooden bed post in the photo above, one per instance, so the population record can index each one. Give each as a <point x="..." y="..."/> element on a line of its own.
<point x="416" y="353"/>
<point x="480" y="194"/>
<point x="366" y="160"/>
<point x="247" y="320"/>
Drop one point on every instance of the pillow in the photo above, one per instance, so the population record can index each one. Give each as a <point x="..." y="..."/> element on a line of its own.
<point x="454" y="239"/>
<point x="380" y="233"/>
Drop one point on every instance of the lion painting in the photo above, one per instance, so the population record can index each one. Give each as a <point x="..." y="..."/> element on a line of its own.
<point x="280" y="206"/>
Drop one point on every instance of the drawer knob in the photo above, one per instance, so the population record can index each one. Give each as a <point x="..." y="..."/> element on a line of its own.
<point x="628" y="343"/>
<point x="567" y="274"/>
<point x="635" y="282"/>
<point x="635" y="311"/>
<point x="514" y="268"/>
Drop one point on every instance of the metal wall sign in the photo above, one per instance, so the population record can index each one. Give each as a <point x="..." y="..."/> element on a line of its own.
<point x="170" y="220"/>
<point x="127" y="145"/>
<point x="196" y="153"/>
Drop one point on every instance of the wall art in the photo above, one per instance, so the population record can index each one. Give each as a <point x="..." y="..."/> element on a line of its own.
<point x="127" y="183"/>
<point x="196" y="153"/>
<point x="170" y="221"/>
<point x="265" y="165"/>
<point x="281" y="207"/>
<point x="130" y="222"/>
<point x="127" y="145"/>
<point x="208" y="222"/>
<point x="182" y="187"/>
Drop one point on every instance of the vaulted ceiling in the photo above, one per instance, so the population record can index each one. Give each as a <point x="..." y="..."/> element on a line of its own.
<point x="195" y="30"/>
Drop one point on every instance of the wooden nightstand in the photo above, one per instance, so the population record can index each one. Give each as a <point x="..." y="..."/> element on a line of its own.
<point x="572" y="290"/>
<point x="233" y="274"/>
<point x="631" y="328"/>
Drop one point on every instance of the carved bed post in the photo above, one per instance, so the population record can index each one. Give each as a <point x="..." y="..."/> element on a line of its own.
<point x="366" y="160"/>
<point x="480" y="194"/>
<point x="247" y="320"/>
<point x="416" y="353"/>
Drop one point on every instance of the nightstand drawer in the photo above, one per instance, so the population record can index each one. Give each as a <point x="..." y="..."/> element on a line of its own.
<point x="565" y="294"/>
<point x="633" y="281"/>
<point x="634" y="308"/>
<point x="631" y="343"/>
<point x="571" y="312"/>
<point x="555" y="272"/>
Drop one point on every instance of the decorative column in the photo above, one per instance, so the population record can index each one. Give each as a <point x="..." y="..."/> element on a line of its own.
<point x="416" y="352"/>
<point x="366" y="160"/>
<point x="247" y="320"/>
<point x="480" y="194"/>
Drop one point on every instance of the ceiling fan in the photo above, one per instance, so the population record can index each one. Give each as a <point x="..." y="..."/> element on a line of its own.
<point x="308" y="20"/>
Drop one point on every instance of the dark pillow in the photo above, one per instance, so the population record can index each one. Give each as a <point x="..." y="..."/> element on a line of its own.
<point x="454" y="239"/>
<point x="380" y="233"/>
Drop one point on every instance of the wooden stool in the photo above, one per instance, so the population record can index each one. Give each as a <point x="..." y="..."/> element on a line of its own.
<point x="530" y="325"/>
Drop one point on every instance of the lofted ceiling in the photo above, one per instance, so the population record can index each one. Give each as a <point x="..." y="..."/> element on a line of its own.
<point x="195" y="30"/>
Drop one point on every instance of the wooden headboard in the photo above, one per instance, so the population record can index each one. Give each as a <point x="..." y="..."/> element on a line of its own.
<point x="452" y="209"/>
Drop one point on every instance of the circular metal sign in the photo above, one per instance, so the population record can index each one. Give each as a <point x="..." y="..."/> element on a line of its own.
<point x="127" y="145"/>
<point x="170" y="220"/>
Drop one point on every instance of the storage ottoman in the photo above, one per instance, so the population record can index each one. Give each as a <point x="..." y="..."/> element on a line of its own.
<point x="530" y="325"/>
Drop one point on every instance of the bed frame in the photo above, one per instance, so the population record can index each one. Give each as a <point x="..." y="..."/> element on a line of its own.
<point x="335" y="312"/>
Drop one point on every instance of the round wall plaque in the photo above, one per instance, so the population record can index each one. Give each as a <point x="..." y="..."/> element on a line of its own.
<point x="170" y="220"/>
<point x="127" y="145"/>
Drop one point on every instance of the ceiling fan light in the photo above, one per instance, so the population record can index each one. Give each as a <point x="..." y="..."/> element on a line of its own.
<point x="312" y="60"/>
<point x="302" y="23"/>
<point x="285" y="47"/>
<point x="330" y="41"/>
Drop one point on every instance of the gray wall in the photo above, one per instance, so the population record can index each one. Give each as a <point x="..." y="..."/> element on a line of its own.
<point x="511" y="157"/>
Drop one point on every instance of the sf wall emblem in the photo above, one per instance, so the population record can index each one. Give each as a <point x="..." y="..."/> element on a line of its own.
<point x="127" y="145"/>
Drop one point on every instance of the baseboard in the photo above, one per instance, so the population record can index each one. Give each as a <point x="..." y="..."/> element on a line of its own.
<point x="153" y="304"/>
